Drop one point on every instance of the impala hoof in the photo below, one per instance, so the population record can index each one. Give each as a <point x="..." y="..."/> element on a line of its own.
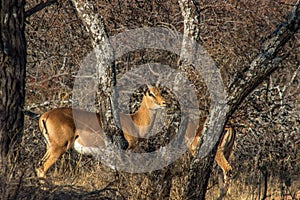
<point x="40" y="173"/>
<point x="228" y="176"/>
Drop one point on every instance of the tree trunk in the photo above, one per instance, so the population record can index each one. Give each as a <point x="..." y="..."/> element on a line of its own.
<point x="200" y="169"/>
<point x="12" y="76"/>
<point x="106" y="73"/>
<point x="262" y="66"/>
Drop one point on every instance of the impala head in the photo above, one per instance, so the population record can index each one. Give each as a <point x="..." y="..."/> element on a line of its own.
<point x="153" y="98"/>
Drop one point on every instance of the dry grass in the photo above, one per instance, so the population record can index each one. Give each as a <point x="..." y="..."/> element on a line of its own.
<point x="81" y="177"/>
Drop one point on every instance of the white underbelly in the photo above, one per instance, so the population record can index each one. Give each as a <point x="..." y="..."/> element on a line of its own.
<point x="86" y="150"/>
<point x="97" y="152"/>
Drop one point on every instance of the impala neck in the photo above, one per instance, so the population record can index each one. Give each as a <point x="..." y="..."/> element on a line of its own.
<point x="144" y="115"/>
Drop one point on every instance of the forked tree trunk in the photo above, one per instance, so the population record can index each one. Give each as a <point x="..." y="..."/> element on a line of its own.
<point x="12" y="76"/>
<point x="262" y="66"/>
<point x="201" y="167"/>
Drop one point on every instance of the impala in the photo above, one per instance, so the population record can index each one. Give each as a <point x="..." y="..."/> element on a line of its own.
<point x="84" y="131"/>
<point x="224" y="148"/>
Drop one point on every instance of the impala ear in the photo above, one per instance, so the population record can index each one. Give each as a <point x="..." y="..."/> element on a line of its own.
<point x="147" y="89"/>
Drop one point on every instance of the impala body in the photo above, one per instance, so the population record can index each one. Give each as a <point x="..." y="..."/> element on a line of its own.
<point x="84" y="131"/>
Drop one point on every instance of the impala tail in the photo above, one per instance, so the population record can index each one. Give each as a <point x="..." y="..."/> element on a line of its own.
<point x="31" y="114"/>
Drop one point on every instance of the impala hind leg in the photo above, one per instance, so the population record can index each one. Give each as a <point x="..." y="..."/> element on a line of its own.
<point x="40" y="169"/>
<point x="223" y="163"/>
<point x="131" y="141"/>
<point x="50" y="157"/>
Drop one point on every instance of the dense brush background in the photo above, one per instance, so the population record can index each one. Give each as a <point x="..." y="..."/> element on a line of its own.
<point x="267" y="148"/>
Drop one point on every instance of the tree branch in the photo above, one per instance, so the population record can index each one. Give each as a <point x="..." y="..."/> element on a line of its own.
<point x="39" y="7"/>
<point x="265" y="62"/>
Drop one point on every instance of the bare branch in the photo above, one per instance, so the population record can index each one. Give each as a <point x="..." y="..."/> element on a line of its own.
<point x="39" y="7"/>
<point x="53" y="77"/>
<point x="265" y="62"/>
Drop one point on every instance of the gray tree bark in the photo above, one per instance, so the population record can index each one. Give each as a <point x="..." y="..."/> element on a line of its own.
<point x="12" y="76"/>
<point x="105" y="60"/>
